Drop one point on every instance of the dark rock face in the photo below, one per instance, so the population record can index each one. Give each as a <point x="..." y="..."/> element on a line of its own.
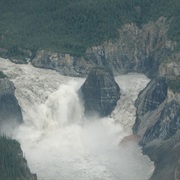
<point x="100" y="92"/>
<point x="149" y="99"/>
<point x="158" y="126"/>
<point x="10" y="111"/>
<point x="166" y="125"/>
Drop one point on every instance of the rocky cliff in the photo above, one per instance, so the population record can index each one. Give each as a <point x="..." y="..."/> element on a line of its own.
<point x="10" y="111"/>
<point x="158" y="126"/>
<point x="148" y="100"/>
<point x="138" y="49"/>
<point x="100" y="92"/>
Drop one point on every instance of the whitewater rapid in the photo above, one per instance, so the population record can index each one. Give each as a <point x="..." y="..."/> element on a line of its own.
<point x="60" y="143"/>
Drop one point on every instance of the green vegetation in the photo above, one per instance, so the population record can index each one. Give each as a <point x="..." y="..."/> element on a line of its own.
<point x="72" y="26"/>
<point x="2" y="75"/>
<point x="17" y="52"/>
<point x="11" y="162"/>
<point x="174" y="85"/>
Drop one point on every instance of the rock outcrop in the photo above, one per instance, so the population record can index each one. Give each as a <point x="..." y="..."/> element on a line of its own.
<point x="63" y="63"/>
<point x="10" y="111"/>
<point x="100" y="92"/>
<point x="148" y="100"/>
<point x="158" y="126"/>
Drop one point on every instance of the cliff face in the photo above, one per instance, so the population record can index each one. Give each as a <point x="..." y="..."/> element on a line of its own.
<point x="10" y="111"/>
<point x="136" y="49"/>
<point x="148" y="100"/>
<point x="158" y="125"/>
<point x="100" y="92"/>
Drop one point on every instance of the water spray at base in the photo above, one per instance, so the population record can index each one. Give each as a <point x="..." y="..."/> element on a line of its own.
<point x="59" y="142"/>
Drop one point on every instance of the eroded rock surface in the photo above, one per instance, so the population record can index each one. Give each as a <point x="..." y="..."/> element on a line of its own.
<point x="148" y="100"/>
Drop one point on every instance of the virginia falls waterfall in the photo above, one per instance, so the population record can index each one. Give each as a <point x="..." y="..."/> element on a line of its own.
<point x="60" y="143"/>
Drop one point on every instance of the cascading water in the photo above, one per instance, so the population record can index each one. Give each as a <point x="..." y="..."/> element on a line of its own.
<point x="59" y="142"/>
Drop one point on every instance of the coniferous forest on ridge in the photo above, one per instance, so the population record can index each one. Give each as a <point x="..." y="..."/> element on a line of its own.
<point x="71" y="26"/>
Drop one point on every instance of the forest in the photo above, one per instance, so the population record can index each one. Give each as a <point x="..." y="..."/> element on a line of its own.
<point x="71" y="26"/>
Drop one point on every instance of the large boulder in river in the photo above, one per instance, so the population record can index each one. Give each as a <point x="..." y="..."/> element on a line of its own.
<point x="100" y="92"/>
<point x="10" y="111"/>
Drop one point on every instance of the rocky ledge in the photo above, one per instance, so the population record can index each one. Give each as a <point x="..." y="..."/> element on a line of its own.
<point x="100" y="92"/>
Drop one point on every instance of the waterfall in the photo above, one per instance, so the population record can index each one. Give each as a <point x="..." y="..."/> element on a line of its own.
<point x="59" y="142"/>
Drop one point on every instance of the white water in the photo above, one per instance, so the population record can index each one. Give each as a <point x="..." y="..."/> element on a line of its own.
<point x="59" y="143"/>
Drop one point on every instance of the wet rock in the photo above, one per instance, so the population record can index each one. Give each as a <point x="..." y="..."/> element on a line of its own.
<point x="100" y="92"/>
<point x="148" y="100"/>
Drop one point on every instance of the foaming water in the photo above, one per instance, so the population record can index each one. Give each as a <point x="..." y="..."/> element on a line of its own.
<point x="59" y="142"/>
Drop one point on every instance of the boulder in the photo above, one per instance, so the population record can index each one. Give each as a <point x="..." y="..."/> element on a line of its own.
<point x="100" y="92"/>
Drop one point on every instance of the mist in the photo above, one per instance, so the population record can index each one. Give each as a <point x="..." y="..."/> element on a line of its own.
<point x="59" y="142"/>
